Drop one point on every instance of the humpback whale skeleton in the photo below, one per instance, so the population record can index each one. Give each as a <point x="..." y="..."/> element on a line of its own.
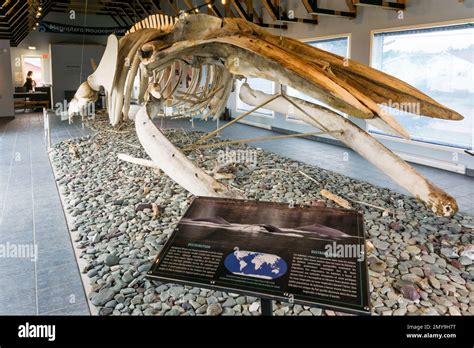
<point x="189" y="64"/>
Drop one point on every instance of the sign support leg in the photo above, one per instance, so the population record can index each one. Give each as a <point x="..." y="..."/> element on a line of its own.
<point x="267" y="307"/>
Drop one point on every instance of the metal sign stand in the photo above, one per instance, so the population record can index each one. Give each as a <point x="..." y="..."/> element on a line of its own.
<point x="267" y="307"/>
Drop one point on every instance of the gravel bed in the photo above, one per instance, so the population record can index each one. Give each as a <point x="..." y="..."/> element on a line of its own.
<point x="419" y="263"/>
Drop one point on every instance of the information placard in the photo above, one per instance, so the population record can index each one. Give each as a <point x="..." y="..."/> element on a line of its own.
<point x="307" y="255"/>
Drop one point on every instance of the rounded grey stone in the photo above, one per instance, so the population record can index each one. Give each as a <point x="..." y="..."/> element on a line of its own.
<point x="214" y="309"/>
<point x="112" y="260"/>
<point x="230" y="302"/>
<point x="104" y="296"/>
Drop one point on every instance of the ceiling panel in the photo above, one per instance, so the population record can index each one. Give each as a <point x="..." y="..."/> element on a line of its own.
<point x="19" y="17"/>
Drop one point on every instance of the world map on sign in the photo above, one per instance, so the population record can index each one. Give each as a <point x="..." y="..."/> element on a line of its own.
<point x="255" y="264"/>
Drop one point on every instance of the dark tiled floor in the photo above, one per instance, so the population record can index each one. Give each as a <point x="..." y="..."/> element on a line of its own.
<point x="31" y="211"/>
<point x="31" y="215"/>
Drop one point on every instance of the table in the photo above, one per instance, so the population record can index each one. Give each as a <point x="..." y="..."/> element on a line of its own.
<point x="31" y="99"/>
<point x="27" y="94"/>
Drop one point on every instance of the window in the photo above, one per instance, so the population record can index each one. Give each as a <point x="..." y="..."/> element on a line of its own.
<point x="35" y="65"/>
<point x="262" y="85"/>
<point x="440" y="62"/>
<point x="339" y="46"/>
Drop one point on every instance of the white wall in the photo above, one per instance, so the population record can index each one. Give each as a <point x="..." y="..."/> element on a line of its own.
<point x="6" y="86"/>
<point x="42" y="42"/>
<point x="69" y="61"/>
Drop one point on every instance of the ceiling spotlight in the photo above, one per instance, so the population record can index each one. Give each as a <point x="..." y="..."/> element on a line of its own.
<point x="32" y="48"/>
<point x="209" y="5"/>
<point x="40" y="8"/>
<point x="197" y="10"/>
<point x="223" y="2"/>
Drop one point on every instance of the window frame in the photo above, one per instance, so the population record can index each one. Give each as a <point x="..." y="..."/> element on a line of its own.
<point x="431" y="25"/>
<point x="323" y="38"/>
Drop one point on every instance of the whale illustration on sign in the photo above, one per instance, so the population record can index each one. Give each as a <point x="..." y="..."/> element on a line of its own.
<point x="255" y="264"/>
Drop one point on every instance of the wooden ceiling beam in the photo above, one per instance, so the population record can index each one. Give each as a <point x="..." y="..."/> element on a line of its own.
<point x="351" y="6"/>
<point x="227" y="9"/>
<point x="313" y="9"/>
<point x="175" y="8"/>
<point x="7" y="7"/>
<point x="214" y="10"/>
<point x="271" y="9"/>
<point x="387" y="5"/>
<point x="280" y="15"/>
<point x="17" y="17"/>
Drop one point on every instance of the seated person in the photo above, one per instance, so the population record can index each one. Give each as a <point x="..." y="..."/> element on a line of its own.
<point x="29" y="83"/>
